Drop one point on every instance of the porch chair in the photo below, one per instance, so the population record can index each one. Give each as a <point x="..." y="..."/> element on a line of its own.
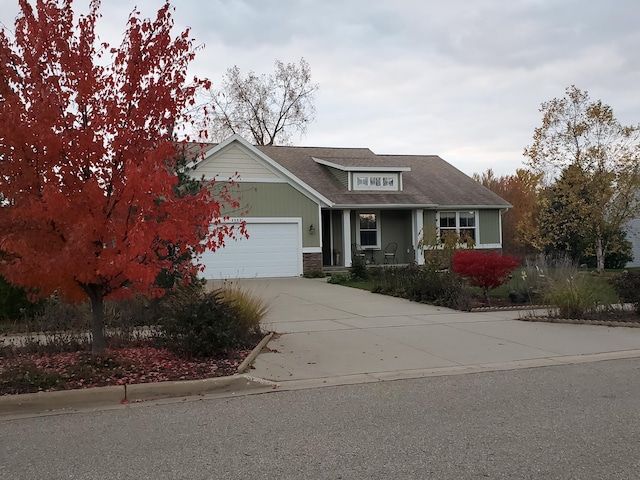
<point x="390" y="252"/>
<point x="357" y="252"/>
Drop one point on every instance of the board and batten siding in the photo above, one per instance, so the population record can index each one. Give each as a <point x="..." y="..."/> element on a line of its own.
<point x="233" y="161"/>
<point x="280" y="200"/>
<point x="489" y="227"/>
<point x="396" y="227"/>
<point x="430" y="223"/>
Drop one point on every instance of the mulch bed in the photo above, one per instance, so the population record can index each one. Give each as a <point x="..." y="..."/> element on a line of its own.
<point x="609" y="318"/>
<point x="497" y="303"/>
<point x="26" y="373"/>
<point x="633" y="322"/>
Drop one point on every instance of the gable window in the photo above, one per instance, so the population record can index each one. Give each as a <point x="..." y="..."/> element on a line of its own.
<point x="362" y="181"/>
<point x="461" y="223"/>
<point x="374" y="181"/>
<point x="369" y="230"/>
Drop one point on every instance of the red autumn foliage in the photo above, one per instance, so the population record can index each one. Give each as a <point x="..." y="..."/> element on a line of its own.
<point x="88" y="170"/>
<point x="485" y="270"/>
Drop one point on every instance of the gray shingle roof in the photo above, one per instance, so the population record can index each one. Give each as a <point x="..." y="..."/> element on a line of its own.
<point x="431" y="181"/>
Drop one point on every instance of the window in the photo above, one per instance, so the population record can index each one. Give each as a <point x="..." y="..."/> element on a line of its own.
<point x="368" y="226"/>
<point x="460" y="223"/>
<point x="467" y="225"/>
<point x="362" y="181"/>
<point x="373" y="181"/>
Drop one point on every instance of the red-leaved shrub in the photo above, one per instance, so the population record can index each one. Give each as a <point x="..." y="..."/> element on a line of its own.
<point x="485" y="270"/>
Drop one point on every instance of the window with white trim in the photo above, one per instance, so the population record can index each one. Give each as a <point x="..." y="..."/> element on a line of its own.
<point x="369" y="230"/>
<point x="375" y="181"/>
<point x="462" y="223"/>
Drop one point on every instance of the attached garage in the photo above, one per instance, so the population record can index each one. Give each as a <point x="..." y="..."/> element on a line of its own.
<point x="273" y="249"/>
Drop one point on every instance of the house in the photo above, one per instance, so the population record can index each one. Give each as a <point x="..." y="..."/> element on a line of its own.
<point x="633" y="235"/>
<point x="311" y="207"/>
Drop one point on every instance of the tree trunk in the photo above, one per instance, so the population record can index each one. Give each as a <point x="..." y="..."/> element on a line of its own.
<point x="599" y="255"/>
<point x="98" y="343"/>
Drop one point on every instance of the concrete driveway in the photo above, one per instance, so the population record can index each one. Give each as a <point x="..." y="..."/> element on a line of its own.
<point x="330" y="334"/>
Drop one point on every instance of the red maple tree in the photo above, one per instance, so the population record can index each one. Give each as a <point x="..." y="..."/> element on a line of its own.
<point x="485" y="270"/>
<point x="89" y="205"/>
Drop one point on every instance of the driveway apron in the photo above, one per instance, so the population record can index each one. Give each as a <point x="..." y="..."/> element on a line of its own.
<point x="331" y="334"/>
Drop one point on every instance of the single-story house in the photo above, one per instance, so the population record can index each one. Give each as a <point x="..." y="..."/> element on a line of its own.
<point x="314" y="207"/>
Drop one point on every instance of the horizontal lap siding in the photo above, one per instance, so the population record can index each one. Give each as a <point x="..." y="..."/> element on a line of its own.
<point x="231" y="162"/>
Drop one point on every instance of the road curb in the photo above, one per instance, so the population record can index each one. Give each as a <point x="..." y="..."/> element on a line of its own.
<point x="62" y="399"/>
<point x="246" y="363"/>
<point x="139" y="392"/>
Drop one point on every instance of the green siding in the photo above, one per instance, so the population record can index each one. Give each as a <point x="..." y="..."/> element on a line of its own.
<point x="429" y="219"/>
<point x="430" y="228"/>
<point x="396" y="227"/>
<point x="489" y="226"/>
<point x="279" y="200"/>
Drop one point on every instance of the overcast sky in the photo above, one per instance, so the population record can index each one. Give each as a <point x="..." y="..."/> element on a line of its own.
<point x="460" y="79"/>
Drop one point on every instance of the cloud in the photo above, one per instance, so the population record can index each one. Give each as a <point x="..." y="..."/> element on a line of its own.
<point x="460" y="79"/>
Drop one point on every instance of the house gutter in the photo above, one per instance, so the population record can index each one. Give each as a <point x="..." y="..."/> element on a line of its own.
<point x="356" y="206"/>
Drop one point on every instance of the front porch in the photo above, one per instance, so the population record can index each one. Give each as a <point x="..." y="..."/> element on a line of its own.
<point x="368" y="234"/>
<point x="342" y="270"/>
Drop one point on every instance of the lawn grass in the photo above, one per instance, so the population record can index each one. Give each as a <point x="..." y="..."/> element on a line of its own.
<point x="601" y="285"/>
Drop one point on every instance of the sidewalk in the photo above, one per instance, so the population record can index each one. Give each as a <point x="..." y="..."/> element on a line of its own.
<point x="332" y="334"/>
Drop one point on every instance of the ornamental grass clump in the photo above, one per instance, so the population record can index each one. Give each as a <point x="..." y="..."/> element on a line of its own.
<point x="529" y="281"/>
<point x="572" y="293"/>
<point x="249" y="307"/>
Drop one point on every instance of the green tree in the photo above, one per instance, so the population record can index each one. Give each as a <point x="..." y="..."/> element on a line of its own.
<point x="561" y="225"/>
<point x="579" y="132"/>
<point x="564" y="206"/>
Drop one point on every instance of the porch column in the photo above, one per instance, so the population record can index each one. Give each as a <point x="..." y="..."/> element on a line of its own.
<point x="418" y="231"/>
<point x="346" y="236"/>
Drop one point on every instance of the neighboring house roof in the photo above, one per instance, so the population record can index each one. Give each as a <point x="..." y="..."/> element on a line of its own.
<point x="427" y="180"/>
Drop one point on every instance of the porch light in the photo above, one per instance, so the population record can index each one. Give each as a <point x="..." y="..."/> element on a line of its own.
<point x="312" y="229"/>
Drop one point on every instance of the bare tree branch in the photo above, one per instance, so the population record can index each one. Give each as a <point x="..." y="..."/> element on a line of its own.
<point x="266" y="109"/>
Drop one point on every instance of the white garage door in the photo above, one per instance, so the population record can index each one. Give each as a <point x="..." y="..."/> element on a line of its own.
<point x="272" y="250"/>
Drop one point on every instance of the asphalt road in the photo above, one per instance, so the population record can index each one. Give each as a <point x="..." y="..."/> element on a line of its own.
<point x="566" y="422"/>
